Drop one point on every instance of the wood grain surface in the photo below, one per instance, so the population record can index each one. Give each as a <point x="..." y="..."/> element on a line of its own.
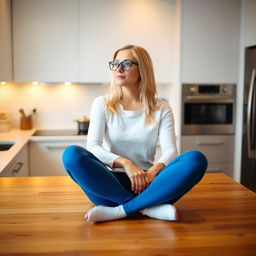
<point x="45" y="216"/>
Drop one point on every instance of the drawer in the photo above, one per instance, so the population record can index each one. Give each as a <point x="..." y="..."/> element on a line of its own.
<point x="216" y="148"/>
<point x="18" y="167"/>
<point x="46" y="157"/>
<point x="226" y="168"/>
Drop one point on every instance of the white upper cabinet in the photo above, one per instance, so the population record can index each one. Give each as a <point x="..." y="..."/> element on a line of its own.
<point x="106" y="26"/>
<point x="64" y="40"/>
<point x="210" y="41"/>
<point x="248" y="31"/>
<point x="5" y="41"/>
<point x="98" y="39"/>
<point x="150" y="24"/>
<point x="45" y="42"/>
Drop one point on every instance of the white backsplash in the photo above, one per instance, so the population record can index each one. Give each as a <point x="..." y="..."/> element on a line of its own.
<point x="57" y="105"/>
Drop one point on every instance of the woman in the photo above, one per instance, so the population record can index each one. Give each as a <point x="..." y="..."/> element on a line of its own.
<point x="121" y="177"/>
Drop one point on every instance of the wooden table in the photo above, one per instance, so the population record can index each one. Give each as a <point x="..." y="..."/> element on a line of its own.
<point x="45" y="216"/>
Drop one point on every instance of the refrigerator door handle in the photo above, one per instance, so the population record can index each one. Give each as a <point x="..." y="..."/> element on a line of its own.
<point x="249" y="115"/>
<point x="253" y="139"/>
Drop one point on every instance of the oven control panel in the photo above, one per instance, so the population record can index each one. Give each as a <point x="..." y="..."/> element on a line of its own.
<point x="208" y="89"/>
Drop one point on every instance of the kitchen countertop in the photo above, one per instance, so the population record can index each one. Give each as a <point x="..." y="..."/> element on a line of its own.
<point x="57" y="135"/>
<point x="22" y="137"/>
<point x="45" y="216"/>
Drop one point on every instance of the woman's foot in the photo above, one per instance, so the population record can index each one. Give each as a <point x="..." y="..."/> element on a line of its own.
<point x="162" y="212"/>
<point x="105" y="213"/>
<point x="86" y="214"/>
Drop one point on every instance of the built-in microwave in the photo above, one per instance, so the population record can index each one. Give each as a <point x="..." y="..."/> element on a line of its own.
<point x="208" y="108"/>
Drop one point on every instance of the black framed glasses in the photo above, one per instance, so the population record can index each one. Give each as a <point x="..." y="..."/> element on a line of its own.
<point x="126" y="65"/>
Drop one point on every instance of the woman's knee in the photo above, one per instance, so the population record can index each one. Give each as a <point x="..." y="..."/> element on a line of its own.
<point x="198" y="160"/>
<point x="72" y="154"/>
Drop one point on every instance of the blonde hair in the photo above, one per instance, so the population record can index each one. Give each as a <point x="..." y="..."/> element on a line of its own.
<point x="147" y="86"/>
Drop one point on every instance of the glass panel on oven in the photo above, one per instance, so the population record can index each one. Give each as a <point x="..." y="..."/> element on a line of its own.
<point x="208" y="113"/>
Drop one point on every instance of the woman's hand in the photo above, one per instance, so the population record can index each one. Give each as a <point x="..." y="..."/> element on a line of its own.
<point x="151" y="174"/>
<point x="153" y="171"/>
<point x="137" y="176"/>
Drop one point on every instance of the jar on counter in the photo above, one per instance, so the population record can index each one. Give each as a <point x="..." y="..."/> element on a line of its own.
<point x="5" y="124"/>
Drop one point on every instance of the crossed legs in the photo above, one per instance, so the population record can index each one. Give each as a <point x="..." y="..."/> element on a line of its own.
<point x="106" y="188"/>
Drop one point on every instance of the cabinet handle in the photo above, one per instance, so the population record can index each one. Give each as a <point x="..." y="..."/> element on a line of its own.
<point x="215" y="169"/>
<point x="211" y="98"/>
<point x="208" y="143"/>
<point x="17" y="167"/>
<point x="56" y="147"/>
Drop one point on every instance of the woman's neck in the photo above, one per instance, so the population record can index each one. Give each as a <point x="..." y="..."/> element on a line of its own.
<point x="130" y="99"/>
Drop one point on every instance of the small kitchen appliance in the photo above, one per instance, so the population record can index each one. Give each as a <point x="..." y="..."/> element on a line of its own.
<point x="83" y="126"/>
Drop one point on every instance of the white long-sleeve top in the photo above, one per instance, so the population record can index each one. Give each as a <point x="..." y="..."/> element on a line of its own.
<point x="126" y="134"/>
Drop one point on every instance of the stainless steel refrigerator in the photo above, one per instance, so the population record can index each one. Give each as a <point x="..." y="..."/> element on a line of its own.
<point x="248" y="172"/>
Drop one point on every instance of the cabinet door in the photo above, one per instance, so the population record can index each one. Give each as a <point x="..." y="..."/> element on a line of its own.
<point x="226" y="167"/>
<point x="210" y="41"/>
<point x="98" y="39"/>
<point x="219" y="150"/>
<point x="45" y="40"/>
<point x="46" y="157"/>
<point x="106" y="26"/>
<point x="150" y="24"/>
<point x="18" y="167"/>
<point x="6" y="41"/>
<point x="62" y="40"/>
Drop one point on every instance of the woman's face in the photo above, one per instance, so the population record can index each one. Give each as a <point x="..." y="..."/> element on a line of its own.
<point x="122" y="77"/>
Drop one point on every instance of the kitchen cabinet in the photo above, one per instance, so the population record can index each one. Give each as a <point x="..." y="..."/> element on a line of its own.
<point x="248" y="32"/>
<point x="46" y="157"/>
<point x="149" y="24"/>
<point x="19" y="166"/>
<point x="210" y="41"/>
<point x="6" y="41"/>
<point x="97" y="39"/>
<point x="106" y="26"/>
<point x="219" y="150"/>
<point x="45" y="40"/>
<point x="62" y="40"/>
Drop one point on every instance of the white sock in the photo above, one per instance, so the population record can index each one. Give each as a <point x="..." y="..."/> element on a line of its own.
<point x="105" y="213"/>
<point x="162" y="212"/>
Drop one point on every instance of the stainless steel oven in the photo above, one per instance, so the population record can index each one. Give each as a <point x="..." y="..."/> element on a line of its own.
<point x="208" y="108"/>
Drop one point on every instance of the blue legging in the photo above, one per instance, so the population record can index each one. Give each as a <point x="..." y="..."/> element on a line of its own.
<point x="104" y="187"/>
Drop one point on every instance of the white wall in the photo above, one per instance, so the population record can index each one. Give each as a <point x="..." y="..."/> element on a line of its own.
<point x="57" y="104"/>
<point x="247" y="38"/>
